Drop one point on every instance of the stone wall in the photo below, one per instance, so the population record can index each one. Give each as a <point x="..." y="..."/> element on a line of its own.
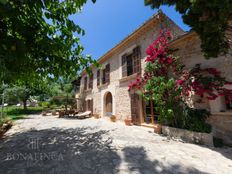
<point x="222" y="126"/>
<point x="188" y="136"/>
<point x="190" y="54"/>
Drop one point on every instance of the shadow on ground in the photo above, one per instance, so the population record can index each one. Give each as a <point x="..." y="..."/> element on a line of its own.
<point x="58" y="151"/>
<point x="141" y="164"/>
<point x="76" y="151"/>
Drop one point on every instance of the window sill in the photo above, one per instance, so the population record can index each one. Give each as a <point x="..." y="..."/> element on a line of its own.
<point x="130" y="77"/>
<point x="103" y="85"/>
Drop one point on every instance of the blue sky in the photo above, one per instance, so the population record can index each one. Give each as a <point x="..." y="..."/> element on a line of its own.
<point x="107" y="22"/>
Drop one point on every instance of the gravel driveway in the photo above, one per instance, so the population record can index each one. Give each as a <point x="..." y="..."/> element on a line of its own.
<point x="51" y="145"/>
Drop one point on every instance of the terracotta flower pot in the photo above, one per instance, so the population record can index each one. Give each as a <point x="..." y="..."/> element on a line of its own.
<point x="128" y="122"/>
<point x="96" y="116"/>
<point x="113" y="118"/>
<point x="61" y="114"/>
<point x="158" y="128"/>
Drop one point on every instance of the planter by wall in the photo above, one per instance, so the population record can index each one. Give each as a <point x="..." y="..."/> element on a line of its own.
<point x="188" y="136"/>
<point x="158" y="128"/>
<point x="54" y="113"/>
<point x="113" y="118"/>
<point x="96" y="116"/>
<point x="128" y="122"/>
<point x="61" y="114"/>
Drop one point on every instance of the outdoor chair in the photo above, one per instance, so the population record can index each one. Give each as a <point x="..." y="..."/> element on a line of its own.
<point x="76" y="112"/>
<point x="84" y="114"/>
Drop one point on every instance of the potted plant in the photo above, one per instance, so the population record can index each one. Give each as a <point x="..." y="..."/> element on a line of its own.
<point x="158" y="128"/>
<point x="96" y="116"/>
<point x="113" y="118"/>
<point x="44" y="113"/>
<point x="128" y="121"/>
<point x="61" y="114"/>
<point x="53" y="113"/>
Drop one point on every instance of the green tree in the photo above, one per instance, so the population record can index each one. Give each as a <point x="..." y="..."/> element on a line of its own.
<point x="38" y="38"/>
<point x="209" y="19"/>
<point x="17" y="94"/>
<point x="22" y="91"/>
<point x="61" y="92"/>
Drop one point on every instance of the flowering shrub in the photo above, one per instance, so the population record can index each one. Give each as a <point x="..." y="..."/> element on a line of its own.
<point x="202" y="82"/>
<point x="166" y="83"/>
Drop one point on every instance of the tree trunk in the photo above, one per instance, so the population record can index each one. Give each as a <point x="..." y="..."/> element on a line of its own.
<point x="25" y="104"/>
<point x="66" y="103"/>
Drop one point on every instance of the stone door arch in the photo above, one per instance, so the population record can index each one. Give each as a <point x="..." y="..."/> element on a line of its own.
<point x="108" y="104"/>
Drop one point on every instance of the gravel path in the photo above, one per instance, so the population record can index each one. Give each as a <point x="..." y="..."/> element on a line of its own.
<point x="51" y="145"/>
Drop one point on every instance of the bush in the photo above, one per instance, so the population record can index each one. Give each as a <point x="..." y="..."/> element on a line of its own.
<point x="195" y="120"/>
<point x="217" y="142"/>
<point x="44" y="104"/>
<point x="188" y="118"/>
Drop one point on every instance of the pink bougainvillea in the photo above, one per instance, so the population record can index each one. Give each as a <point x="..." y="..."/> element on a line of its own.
<point x="208" y="81"/>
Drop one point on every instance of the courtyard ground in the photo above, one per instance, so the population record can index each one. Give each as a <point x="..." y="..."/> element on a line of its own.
<point x="51" y="145"/>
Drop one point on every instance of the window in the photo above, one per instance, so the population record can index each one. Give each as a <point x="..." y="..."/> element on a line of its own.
<point x="106" y="74"/>
<point x="91" y="82"/>
<point x="228" y="102"/>
<point x="98" y="77"/>
<point x="85" y="83"/>
<point x="131" y="62"/>
<point x="151" y="115"/>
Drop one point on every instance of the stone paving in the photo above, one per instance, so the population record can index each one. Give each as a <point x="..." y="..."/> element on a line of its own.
<point x="51" y="145"/>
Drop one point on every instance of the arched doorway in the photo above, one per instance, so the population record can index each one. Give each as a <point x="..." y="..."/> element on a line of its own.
<point x="108" y="104"/>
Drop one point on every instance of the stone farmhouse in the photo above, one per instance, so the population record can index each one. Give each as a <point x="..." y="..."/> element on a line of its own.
<point x="106" y="91"/>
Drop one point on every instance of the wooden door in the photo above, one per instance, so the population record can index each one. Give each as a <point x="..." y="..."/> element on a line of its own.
<point x="135" y="108"/>
<point x="108" y="105"/>
<point x="90" y="105"/>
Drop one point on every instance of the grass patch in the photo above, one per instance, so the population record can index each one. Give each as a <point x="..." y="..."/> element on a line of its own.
<point x="15" y="113"/>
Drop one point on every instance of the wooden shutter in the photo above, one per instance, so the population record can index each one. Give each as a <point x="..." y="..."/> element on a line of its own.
<point x="107" y="73"/>
<point x="136" y="60"/>
<point x="91" y="82"/>
<point x="103" y="76"/>
<point x="135" y="108"/>
<point x="98" y="77"/>
<point x="85" y="83"/>
<point x="124" y="65"/>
